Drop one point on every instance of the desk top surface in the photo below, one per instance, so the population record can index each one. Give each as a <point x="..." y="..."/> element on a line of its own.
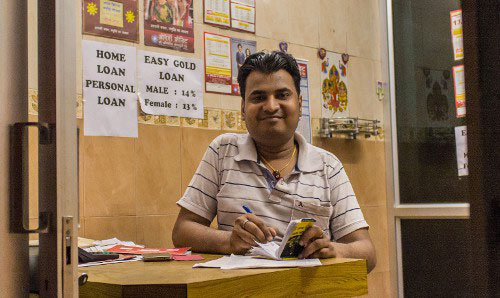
<point x="181" y="272"/>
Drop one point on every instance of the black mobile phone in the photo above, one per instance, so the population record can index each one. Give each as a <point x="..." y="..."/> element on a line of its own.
<point x="85" y="256"/>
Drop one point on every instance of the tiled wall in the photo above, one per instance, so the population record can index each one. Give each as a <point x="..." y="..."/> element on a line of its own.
<point x="128" y="187"/>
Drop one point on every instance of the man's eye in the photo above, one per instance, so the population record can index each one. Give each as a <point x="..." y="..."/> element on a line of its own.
<point x="284" y="95"/>
<point x="258" y="98"/>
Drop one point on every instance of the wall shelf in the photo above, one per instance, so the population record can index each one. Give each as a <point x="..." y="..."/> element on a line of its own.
<point x="350" y="126"/>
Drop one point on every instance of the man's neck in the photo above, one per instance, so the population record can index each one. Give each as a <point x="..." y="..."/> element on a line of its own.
<point x="276" y="152"/>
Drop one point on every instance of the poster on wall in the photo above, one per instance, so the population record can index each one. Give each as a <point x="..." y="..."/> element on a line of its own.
<point x="234" y="14"/>
<point x="169" y="24"/>
<point x="461" y="142"/>
<point x="437" y="95"/>
<point x="459" y="85"/>
<point x="240" y="50"/>
<point x="334" y="86"/>
<point x="217" y="63"/>
<point x="304" y="127"/>
<point x="116" y="19"/>
<point x="217" y="12"/>
<point x="170" y="85"/>
<point x="243" y="15"/>
<point x="109" y="91"/>
<point x="457" y="36"/>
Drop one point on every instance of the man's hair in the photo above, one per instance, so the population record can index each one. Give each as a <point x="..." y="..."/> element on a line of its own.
<point x="239" y="45"/>
<point x="268" y="63"/>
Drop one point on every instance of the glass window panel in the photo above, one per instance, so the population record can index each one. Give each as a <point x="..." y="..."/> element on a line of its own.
<point x="436" y="259"/>
<point x="425" y="102"/>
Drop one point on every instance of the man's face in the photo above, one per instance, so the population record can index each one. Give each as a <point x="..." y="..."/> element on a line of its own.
<point x="272" y="107"/>
<point x="240" y="48"/>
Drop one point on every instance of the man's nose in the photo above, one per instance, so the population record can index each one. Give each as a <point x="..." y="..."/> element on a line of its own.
<point x="271" y="105"/>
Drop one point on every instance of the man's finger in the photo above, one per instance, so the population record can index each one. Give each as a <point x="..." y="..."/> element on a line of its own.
<point x="313" y="247"/>
<point x="244" y="234"/>
<point x="259" y="229"/>
<point x="310" y="235"/>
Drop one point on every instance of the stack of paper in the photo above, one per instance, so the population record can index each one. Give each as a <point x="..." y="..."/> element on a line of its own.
<point x="242" y="262"/>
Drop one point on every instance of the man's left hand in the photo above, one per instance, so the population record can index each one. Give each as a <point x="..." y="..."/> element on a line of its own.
<point x="316" y="245"/>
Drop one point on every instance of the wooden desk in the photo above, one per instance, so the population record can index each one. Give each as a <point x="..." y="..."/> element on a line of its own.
<point x="337" y="277"/>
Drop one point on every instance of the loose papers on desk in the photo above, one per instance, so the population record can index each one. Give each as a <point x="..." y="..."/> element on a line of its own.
<point x="245" y="262"/>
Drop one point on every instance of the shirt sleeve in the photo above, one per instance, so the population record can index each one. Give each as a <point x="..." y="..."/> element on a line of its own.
<point x="347" y="215"/>
<point x="200" y="196"/>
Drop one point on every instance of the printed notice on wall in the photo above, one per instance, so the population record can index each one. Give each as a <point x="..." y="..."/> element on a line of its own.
<point x="240" y="50"/>
<point x="243" y="15"/>
<point x="217" y="63"/>
<point x="459" y="86"/>
<point x="461" y="141"/>
<point x="109" y="91"/>
<point x="457" y="34"/>
<point x="217" y="12"/>
<point x="304" y="127"/>
<point x="169" y="24"/>
<point x="235" y="14"/>
<point x="115" y="19"/>
<point x="170" y="85"/>
<point x="334" y="85"/>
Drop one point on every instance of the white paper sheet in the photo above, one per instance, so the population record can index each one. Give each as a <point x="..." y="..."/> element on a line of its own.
<point x="170" y="85"/>
<point x="461" y="142"/>
<point x="109" y="91"/>
<point x="246" y="262"/>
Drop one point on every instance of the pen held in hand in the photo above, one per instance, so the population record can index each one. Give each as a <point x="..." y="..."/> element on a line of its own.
<point x="247" y="209"/>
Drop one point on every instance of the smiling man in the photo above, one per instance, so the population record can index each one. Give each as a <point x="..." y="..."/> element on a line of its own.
<point x="275" y="174"/>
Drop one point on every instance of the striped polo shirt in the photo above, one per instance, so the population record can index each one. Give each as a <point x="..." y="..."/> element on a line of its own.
<point x="231" y="175"/>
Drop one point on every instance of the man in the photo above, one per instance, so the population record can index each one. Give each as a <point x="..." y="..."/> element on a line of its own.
<point x="275" y="174"/>
<point x="240" y="56"/>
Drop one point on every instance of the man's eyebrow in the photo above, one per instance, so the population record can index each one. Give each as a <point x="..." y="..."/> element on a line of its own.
<point x="258" y="92"/>
<point x="283" y="89"/>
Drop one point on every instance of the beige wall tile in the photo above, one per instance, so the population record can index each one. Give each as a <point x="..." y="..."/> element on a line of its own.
<point x="342" y="148"/>
<point x="109" y="176"/>
<point x="121" y="227"/>
<point x="156" y="231"/>
<point x="212" y="100"/>
<point x="363" y="100"/>
<point x="333" y="25"/>
<point x="368" y="173"/>
<point x="273" y="14"/>
<point x="363" y="37"/>
<point x="230" y="102"/>
<point x="194" y="143"/>
<point x="266" y="44"/>
<point x="377" y="219"/>
<point x="304" y="22"/>
<point x="158" y="170"/>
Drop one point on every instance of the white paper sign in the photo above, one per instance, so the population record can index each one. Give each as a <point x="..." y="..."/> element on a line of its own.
<point x="109" y="91"/>
<point x="170" y="85"/>
<point x="461" y="141"/>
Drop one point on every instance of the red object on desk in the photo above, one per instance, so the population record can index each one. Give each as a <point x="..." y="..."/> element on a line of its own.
<point x="131" y="250"/>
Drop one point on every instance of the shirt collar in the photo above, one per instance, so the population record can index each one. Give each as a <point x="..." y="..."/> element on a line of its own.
<point x="309" y="160"/>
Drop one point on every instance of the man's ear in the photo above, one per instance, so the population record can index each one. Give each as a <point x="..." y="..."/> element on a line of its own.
<point x="300" y="105"/>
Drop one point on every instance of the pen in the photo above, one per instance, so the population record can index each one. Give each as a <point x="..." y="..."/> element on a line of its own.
<point x="247" y="209"/>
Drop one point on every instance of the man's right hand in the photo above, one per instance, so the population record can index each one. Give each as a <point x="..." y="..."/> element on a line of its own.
<point x="248" y="229"/>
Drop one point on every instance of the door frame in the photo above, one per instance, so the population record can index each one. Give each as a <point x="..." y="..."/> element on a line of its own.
<point x="395" y="209"/>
